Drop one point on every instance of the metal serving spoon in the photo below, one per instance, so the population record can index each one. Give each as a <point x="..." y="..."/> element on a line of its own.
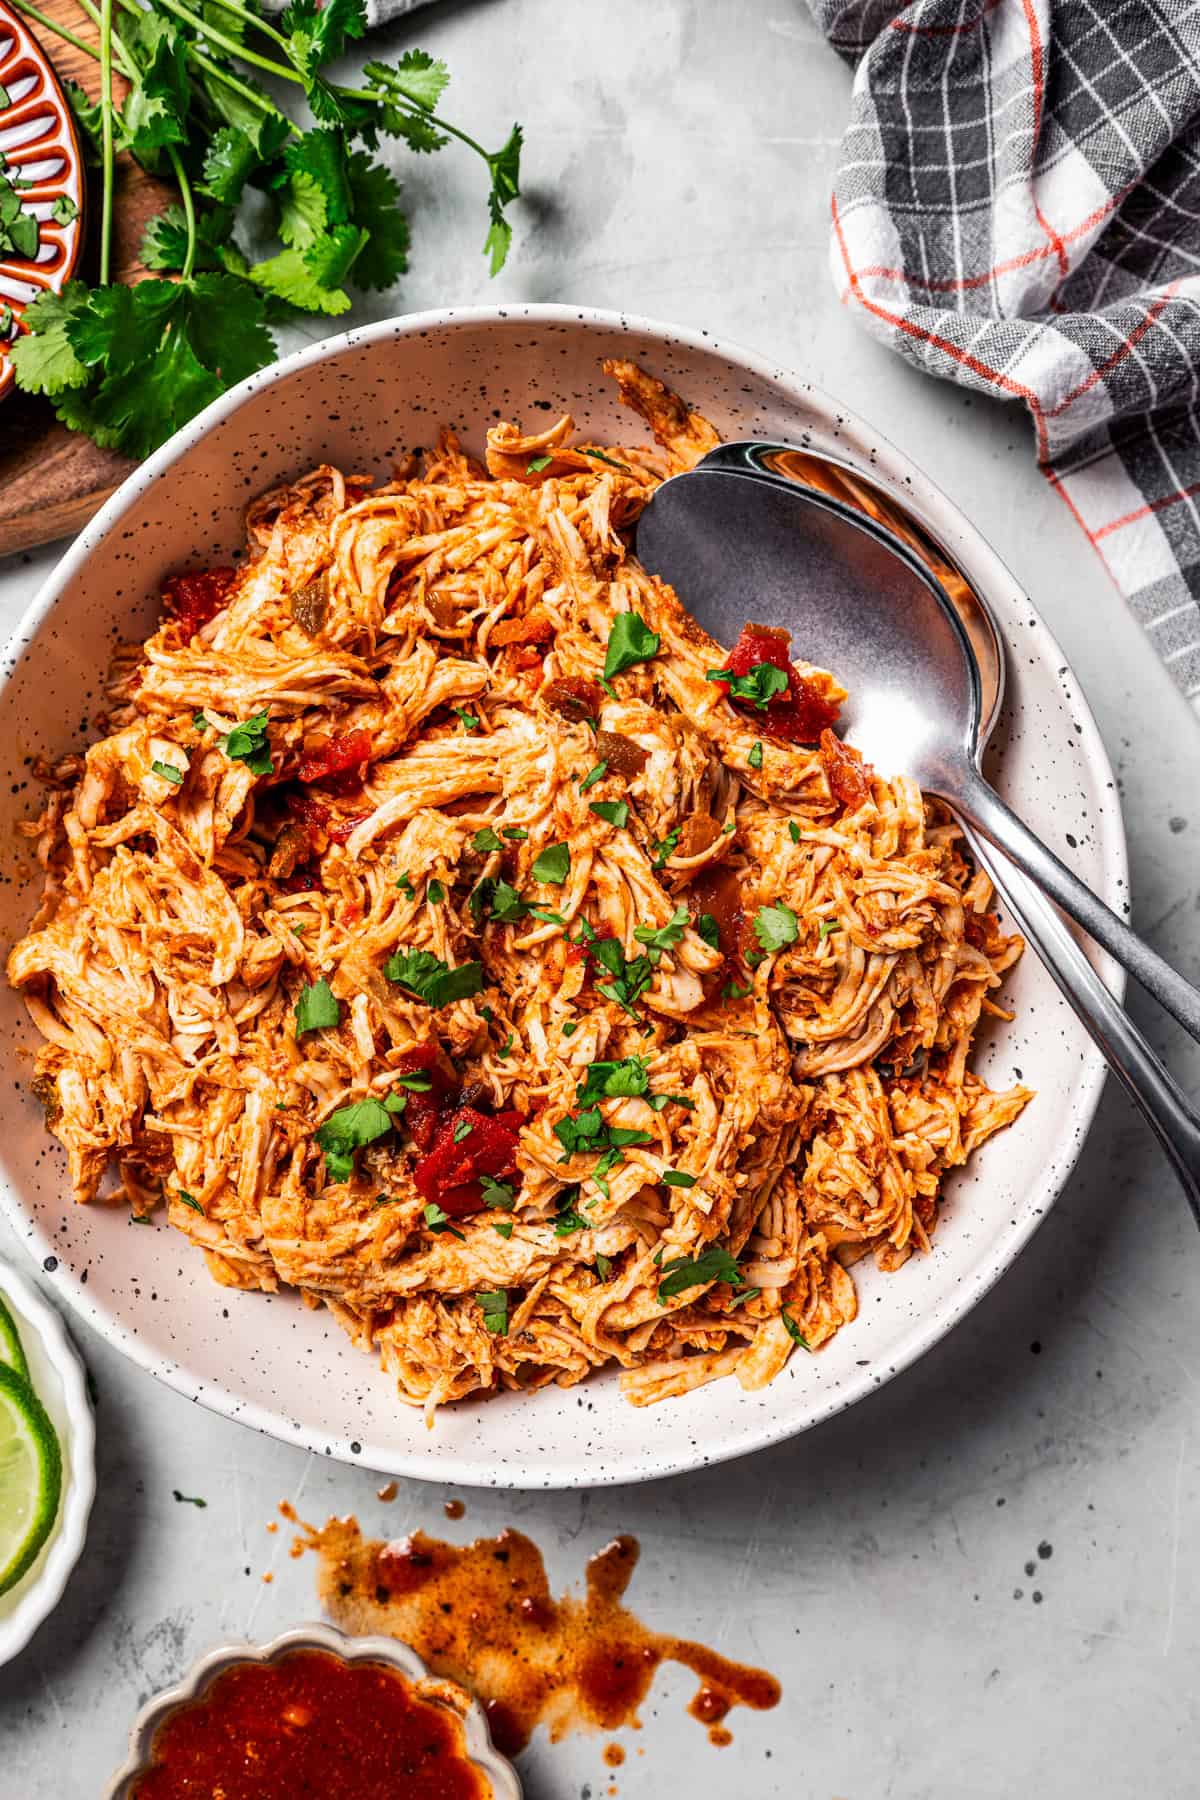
<point x="774" y="533"/>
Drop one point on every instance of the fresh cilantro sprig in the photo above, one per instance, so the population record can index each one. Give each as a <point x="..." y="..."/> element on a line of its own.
<point x="682" y="1273"/>
<point x="432" y="980"/>
<point x="756" y="688"/>
<point x="273" y="214"/>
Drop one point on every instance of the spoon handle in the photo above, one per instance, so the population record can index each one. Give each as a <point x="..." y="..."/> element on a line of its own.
<point x="983" y="808"/>
<point x="1122" y="1045"/>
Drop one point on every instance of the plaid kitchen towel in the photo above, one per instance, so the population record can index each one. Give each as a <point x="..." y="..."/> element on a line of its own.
<point x="1018" y="208"/>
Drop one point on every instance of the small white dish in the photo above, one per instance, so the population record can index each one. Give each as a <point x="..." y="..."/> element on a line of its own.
<point x="483" y="1754"/>
<point x="57" y="1373"/>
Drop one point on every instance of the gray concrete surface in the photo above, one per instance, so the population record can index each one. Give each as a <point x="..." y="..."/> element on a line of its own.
<point x="886" y="1566"/>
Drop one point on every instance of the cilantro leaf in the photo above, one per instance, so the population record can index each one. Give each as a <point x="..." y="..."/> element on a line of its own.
<point x="594" y="774"/>
<point x="757" y="687"/>
<point x="608" y="1080"/>
<point x="230" y="160"/>
<point x="289" y="277"/>
<point x="792" y="1329"/>
<point x="666" y="936"/>
<point x="169" y="772"/>
<point x="437" y="1220"/>
<point x="165" y="243"/>
<point x="248" y="743"/>
<point x="828" y="927"/>
<point x="708" y="929"/>
<point x="755" y="757"/>
<point x="156" y="107"/>
<point x="630" y="641"/>
<point x="615" y="812"/>
<point x="793" y="831"/>
<point x="497" y="1194"/>
<point x="505" y="167"/>
<point x="494" y="1306"/>
<point x="486" y="840"/>
<point x="666" y="848"/>
<point x="684" y="1272"/>
<point x="43" y="358"/>
<point x="417" y="76"/>
<point x="432" y="980"/>
<point x="347" y="1130"/>
<point x="568" y="1219"/>
<point x="553" y="864"/>
<point x="189" y="1200"/>
<point x="318" y="34"/>
<point x="496" y="899"/>
<point x="316" y="1009"/>
<point x="86" y="113"/>
<point x="776" y="926"/>
<point x="678" y="1178"/>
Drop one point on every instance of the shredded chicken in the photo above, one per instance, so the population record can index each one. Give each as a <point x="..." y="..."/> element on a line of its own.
<point x="530" y="1020"/>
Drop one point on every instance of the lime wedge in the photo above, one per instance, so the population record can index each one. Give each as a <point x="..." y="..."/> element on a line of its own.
<point x="10" y="1342"/>
<point x="30" y="1476"/>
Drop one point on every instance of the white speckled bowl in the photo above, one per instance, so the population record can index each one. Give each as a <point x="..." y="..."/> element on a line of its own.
<point x="356" y="401"/>
<point x="58" y="1376"/>
<point x="478" y="1739"/>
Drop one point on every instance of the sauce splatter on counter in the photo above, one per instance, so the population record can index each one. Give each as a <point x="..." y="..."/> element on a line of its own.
<point x="483" y="1614"/>
<point x="312" y="1724"/>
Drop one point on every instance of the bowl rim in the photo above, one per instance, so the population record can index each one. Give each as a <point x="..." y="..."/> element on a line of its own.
<point x="481" y="1751"/>
<point x="948" y="522"/>
<point x="70" y="1529"/>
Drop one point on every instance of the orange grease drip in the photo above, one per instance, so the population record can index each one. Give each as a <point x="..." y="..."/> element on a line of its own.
<point x="387" y="1492"/>
<point x="454" y="1509"/>
<point x="482" y="1614"/>
<point x="614" y="1756"/>
<point x="311" y="1724"/>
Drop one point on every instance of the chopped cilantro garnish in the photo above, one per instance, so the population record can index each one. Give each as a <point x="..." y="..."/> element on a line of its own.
<point x="755" y="756"/>
<point x="406" y="887"/>
<point x="416" y="1083"/>
<point x="828" y="927"/>
<point x="603" y="1267"/>
<point x="570" y="1028"/>
<point x="494" y="1306"/>
<point x="614" y="812"/>
<point x="568" y="1218"/>
<point x="793" y="1330"/>
<point x="462" y="1130"/>
<point x="506" y="1047"/>
<point x="538" y="463"/>
<point x="666" y="847"/>
<point x="470" y="721"/>
<point x="432" y="980"/>
<point x="435" y="893"/>
<point x="199" y="721"/>
<point x="733" y="990"/>
<point x="708" y="929"/>
<point x="486" y="840"/>
<point x="666" y="936"/>
<point x="437" y="1220"/>
<point x="629" y="641"/>
<point x="610" y="1080"/>
<point x="677" y="1178"/>
<point x="169" y="772"/>
<point x="189" y="1200"/>
<point x="395" y="1103"/>
<point x="793" y="831"/>
<point x="592" y="777"/>
<point x="757" y="688"/>
<point x="599" y="456"/>
<point x="729" y="827"/>
<point x="247" y="743"/>
<point x="502" y="1227"/>
<point x="516" y="834"/>
<point x="383" y="1200"/>
<point x="497" y="1194"/>
<point x="316" y="1009"/>
<point x="775" y="926"/>
<point x="684" y="1272"/>
<point x="549" y="918"/>
<point x="553" y="864"/>
<point x="347" y="1130"/>
<point x="496" y="899"/>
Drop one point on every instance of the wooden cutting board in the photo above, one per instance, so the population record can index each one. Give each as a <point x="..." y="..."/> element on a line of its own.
<point x="52" y="480"/>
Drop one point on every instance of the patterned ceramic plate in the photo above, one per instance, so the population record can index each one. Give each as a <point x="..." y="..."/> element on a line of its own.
<point x="39" y="246"/>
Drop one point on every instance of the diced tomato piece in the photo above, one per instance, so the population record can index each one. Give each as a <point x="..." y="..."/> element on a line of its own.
<point x="800" y="715"/>
<point x="717" y="891"/>
<point x="319" y="817"/>
<point x="848" y="776"/>
<point x="425" y="1108"/>
<point x="192" y="600"/>
<point x="573" y="697"/>
<point x="450" y="1174"/>
<point x="342" y="753"/>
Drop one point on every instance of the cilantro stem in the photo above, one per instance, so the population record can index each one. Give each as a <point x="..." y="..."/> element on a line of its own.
<point x="49" y="24"/>
<point x="189" y="210"/>
<point x="106" y="139"/>
<point x="241" y="12"/>
<point x="231" y="44"/>
<point x="402" y="100"/>
<point x="128" y="66"/>
<point x="239" y="87"/>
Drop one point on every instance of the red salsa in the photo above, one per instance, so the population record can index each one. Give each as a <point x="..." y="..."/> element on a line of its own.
<point x="798" y="714"/>
<point x="194" y="600"/>
<point x="467" y="1145"/>
<point x="313" y="1725"/>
